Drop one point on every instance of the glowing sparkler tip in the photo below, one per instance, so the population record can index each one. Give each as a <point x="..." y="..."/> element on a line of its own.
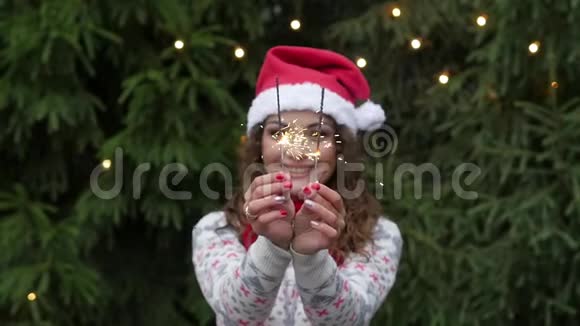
<point x="292" y="140"/>
<point x="314" y="155"/>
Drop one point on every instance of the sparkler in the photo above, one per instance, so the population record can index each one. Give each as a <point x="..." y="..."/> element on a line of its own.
<point x="281" y="141"/>
<point x="292" y="139"/>
<point x="316" y="155"/>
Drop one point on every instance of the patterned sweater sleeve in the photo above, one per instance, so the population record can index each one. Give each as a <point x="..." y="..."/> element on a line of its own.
<point x="240" y="286"/>
<point x="352" y="293"/>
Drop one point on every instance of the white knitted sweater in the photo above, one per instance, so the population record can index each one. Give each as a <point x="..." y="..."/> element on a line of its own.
<point x="267" y="285"/>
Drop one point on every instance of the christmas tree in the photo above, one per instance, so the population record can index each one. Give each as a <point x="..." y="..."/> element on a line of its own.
<point x="103" y="101"/>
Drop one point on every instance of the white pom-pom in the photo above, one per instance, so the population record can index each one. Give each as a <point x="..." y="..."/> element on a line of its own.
<point x="369" y="116"/>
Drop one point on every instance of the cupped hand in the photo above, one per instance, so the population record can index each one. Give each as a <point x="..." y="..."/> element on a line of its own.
<point x="320" y="221"/>
<point x="268" y="207"/>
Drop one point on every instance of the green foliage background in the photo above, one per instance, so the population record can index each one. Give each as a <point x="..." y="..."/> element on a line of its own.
<point x="80" y="78"/>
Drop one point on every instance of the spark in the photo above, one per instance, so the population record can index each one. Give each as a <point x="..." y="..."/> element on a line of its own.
<point x="292" y="141"/>
<point x="313" y="155"/>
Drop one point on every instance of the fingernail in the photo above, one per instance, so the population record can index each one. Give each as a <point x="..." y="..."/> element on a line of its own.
<point x="307" y="191"/>
<point x="283" y="212"/>
<point x="287" y="184"/>
<point x="279" y="199"/>
<point x="316" y="186"/>
<point x="309" y="203"/>
<point x="280" y="176"/>
<point x="314" y="223"/>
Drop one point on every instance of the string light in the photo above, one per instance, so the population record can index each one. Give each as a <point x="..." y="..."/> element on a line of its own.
<point x="178" y="44"/>
<point x="554" y="84"/>
<point x="416" y="43"/>
<point x="481" y="20"/>
<point x="444" y="78"/>
<point x="239" y="52"/>
<point x="396" y="12"/>
<point x="361" y="62"/>
<point x="534" y="47"/>
<point x="295" y="24"/>
<point x="31" y="296"/>
<point x="106" y="164"/>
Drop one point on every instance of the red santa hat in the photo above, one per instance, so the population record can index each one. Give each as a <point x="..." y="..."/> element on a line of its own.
<point x="302" y="72"/>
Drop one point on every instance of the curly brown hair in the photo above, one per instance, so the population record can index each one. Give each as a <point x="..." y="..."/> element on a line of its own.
<point x="362" y="212"/>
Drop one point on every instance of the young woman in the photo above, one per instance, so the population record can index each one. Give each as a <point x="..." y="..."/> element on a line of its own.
<point x="302" y="243"/>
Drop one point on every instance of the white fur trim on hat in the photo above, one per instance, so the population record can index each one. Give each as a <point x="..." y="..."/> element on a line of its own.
<point x="304" y="96"/>
<point x="370" y="116"/>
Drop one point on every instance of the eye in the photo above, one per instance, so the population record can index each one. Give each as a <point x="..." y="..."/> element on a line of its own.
<point x="324" y="133"/>
<point x="271" y="131"/>
<point x="313" y="134"/>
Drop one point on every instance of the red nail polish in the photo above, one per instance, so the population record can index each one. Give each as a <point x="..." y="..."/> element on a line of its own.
<point x="283" y="212"/>
<point x="279" y="176"/>
<point x="287" y="184"/>
<point x="307" y="191"/>
<point x="316" y="186"/>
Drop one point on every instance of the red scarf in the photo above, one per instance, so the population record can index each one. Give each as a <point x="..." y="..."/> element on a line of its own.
<point x="249" y="236"/>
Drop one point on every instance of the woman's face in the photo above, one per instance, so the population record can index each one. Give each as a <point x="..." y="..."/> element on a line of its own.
<point x="301" y="169"/>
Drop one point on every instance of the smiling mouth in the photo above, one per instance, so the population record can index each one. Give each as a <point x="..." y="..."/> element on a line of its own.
<point x="299" y="171"/>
